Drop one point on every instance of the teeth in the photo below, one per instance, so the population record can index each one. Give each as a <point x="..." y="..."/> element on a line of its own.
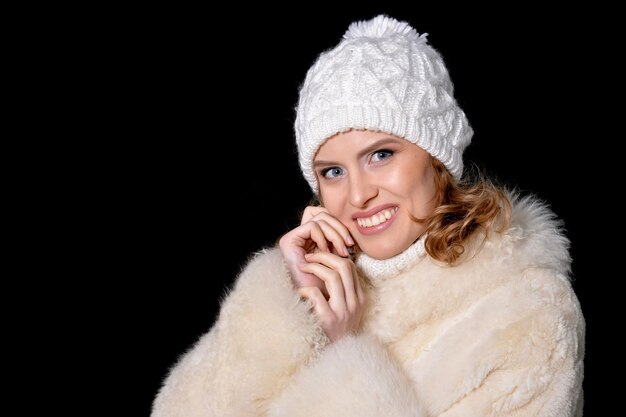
<point x="378" y="218"/>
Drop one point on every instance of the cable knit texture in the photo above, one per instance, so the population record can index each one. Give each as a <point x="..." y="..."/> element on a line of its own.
<point x="383" y="76"/>
<point x="380" y="269"/>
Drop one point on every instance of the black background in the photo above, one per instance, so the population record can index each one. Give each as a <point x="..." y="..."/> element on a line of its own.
<point x="210" y="174"/>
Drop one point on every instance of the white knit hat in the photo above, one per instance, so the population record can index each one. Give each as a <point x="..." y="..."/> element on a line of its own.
<point x="383" y="76"/>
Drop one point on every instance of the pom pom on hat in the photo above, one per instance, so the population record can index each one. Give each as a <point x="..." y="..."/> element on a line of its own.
<point x="381" y="27"/>
<point x="383" y="76"/>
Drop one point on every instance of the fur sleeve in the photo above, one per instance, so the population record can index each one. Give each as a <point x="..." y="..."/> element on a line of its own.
<point x="518" y="352"/>
<point x="354" y="377"/>
<point x="263" y="334"/>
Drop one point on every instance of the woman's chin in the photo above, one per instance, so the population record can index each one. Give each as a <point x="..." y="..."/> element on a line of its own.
<point x="382" y="253"/>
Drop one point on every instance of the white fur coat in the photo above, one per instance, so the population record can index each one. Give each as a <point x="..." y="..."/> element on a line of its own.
<point x="501" y="334"/>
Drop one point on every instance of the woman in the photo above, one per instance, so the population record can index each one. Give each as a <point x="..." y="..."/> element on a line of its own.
<point x="407" y="291"/>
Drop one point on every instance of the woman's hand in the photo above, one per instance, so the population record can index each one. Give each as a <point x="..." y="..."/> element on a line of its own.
<point x="316" y="253"/>
<point x="318" y="232"/>
<point x="341" y="313"/>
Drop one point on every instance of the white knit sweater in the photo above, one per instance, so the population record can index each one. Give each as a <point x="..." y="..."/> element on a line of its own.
<point x="376" y="269"/>
<point x="501" y="334"/>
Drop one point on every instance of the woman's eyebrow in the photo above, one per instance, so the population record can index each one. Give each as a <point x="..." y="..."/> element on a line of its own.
<point x="363" y="152"/>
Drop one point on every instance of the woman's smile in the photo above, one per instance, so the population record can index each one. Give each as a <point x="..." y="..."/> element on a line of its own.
<point x="380" y="220"/>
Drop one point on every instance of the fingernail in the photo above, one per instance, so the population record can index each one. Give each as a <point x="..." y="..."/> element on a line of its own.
<point x="307" y="255"/>
<point x="349" y="240"/>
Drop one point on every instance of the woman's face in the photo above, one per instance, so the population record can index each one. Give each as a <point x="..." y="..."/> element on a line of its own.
<point x="373" y="183"/>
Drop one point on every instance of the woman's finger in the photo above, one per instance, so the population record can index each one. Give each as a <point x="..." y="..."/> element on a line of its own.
<point x="333" y="282"/>
<point x="320" y="233"/>
<point x="310" y="212"/>
<point x="318" y="301"/>
<point x="332" y="235"/>
<point x="317" y="235"/>
<point x="347" y="273"/>
<point x="337" y="225"/>
<point x="316" y="213"/>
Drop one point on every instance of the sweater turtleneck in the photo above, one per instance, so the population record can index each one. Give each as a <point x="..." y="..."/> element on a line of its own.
<point x="381" y="269"/>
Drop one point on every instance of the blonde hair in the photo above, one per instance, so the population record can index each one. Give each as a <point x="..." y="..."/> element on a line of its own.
<point x="461" y="209"/>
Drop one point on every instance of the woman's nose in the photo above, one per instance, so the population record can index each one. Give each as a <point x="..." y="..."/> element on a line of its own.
<point x="362" y="190"/>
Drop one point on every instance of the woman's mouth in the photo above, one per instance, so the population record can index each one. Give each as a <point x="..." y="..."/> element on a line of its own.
<point x="377" y="222"/>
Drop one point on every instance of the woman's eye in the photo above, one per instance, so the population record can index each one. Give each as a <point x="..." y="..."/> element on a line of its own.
<point x="332" y="172"/>
<point x="381" y="155"/>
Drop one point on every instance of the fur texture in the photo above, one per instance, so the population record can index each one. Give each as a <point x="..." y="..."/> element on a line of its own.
<point x="501" y="334"/>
